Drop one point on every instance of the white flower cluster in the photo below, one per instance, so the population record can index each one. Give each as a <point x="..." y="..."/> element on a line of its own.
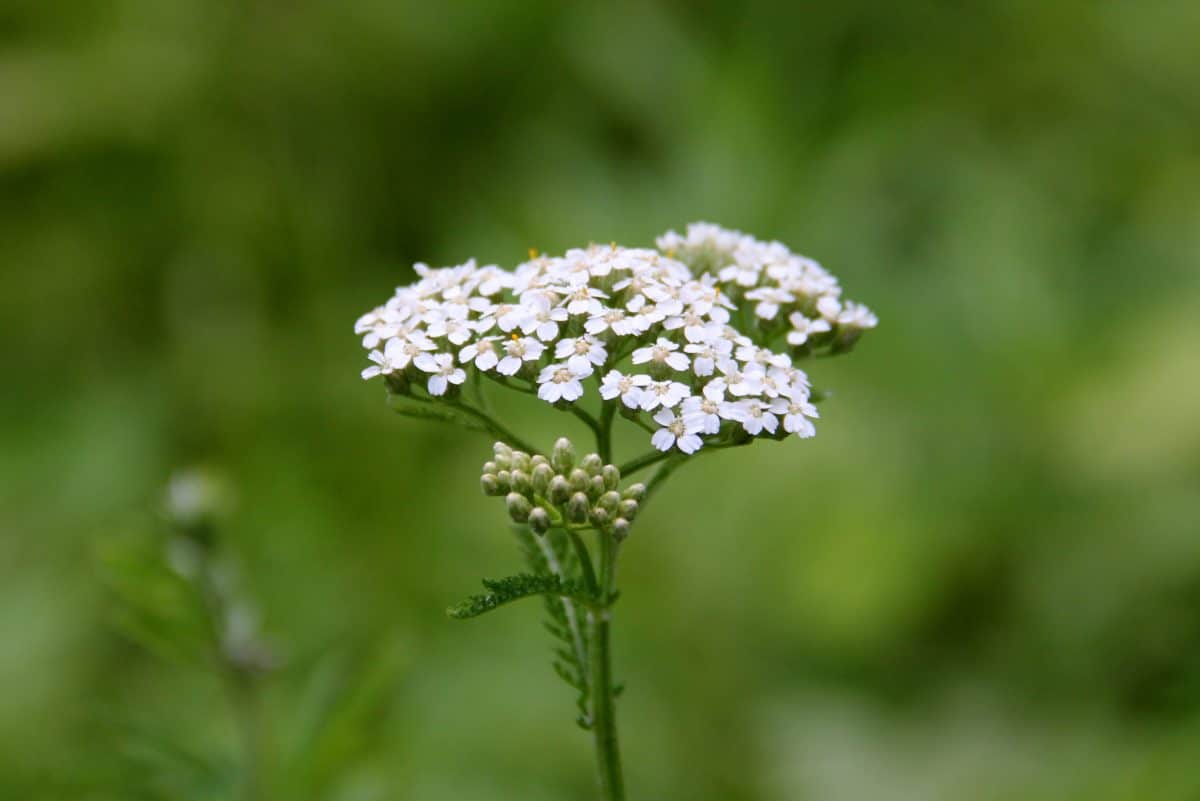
<point x="682" y="335"/>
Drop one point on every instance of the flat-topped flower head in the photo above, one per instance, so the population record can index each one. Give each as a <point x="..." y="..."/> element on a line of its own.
<point x="708" y="328"/>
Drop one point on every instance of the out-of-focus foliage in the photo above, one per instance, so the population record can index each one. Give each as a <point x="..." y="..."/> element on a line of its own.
<point x="980" y="580"/>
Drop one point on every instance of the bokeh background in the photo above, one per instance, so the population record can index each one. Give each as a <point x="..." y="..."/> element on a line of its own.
<point x="980" y="581"/>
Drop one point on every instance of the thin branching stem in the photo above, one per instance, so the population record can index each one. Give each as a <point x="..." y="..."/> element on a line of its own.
<point x="604" y="434"/>
<point x="642" y="462"/>
<point x="585" y="563"/>
<point x="496" y="427"/>
<point x="661" y="475"/>
<point x="587" y="418"/>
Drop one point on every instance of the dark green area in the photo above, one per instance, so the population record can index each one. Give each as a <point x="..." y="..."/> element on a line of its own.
<point x="981" y="580"/>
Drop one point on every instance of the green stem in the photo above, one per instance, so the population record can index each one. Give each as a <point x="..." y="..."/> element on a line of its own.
<point x="643" y="461"/>
<point x="604" y="434"/>
<point x="585" y="563"/>
<point x="240" y="684"/>
<point x="604" y="722"/>
<point x="495" y="426"/>
<point x="591" y="422"/>
<point x="670" y="466"/>
<point x="245" y="698"/>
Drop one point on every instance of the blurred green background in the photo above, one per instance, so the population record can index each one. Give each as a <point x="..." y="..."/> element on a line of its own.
<point x="980" y="581"/>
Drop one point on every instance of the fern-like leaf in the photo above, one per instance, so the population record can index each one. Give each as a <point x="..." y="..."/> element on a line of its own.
<point x="552" y="555"/>
<point x="513" y="588"/>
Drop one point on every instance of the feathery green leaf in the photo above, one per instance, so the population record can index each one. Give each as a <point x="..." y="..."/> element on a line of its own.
<point x="512" y="588"/>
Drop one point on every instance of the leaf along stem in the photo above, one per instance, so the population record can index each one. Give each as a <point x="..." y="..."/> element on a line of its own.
<point x="570" y="612"/>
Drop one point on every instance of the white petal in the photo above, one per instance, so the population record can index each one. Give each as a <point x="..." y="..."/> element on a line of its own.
<point x="662" y="439"/>
<point x="437" y="385"/>
<point x="677" y="361"/>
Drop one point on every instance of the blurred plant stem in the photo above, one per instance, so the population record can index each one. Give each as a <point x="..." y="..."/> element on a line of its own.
<point x="245" y="698"/>
<point x="239" y="668"/>
<point x="239" y="657"/>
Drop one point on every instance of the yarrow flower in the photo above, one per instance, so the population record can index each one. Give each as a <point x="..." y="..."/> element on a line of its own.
<point x="560" y="382"/>
<point x="695" y="342"/>
<point x="702" y="332"/>
<point x="443" y="370"/>
<point x="680" y="432"/>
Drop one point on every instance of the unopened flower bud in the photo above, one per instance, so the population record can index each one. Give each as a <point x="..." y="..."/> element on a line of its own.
<point x="540" y="478"/>
<point x="579" y="480"/>
<point x="558" y="491"/>
<point x="520" y="482"/>
<point x="610" y="501"/>
<point x="612" y="476"/>
<point x="490" y="467"/>
<point x="539" y="520"/>
<point x="562" y="458"/>
<point x="592" y="464"/>
<point x="504" y="479"/>
<point x="578" y="508"/>
<point x="595" y="487"/>
<point x="537" y="459"/>
<point x="489" y="484"/>
<point x="620" y="528"/>
<point x="600" y="516"/>
<point x="628" y="509"/>
<point x="518" y="507"/>
<point x="520" y="461"/>
<point x="634" y="492"/>
<point x="503" y="455"/>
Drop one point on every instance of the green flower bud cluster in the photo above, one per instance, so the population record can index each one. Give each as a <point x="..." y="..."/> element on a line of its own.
<point x="562" y="490"/>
